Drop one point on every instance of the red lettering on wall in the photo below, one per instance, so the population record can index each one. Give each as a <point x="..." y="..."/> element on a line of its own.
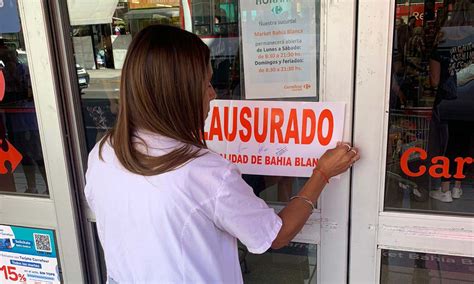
<point x="440" y="170"/>
<point x="404" y="162"/>
<point x="460" y="166"/>
<point x="439" y="167"/>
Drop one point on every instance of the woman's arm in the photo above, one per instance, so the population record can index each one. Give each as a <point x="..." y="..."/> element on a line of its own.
<point x="297" y="212"/>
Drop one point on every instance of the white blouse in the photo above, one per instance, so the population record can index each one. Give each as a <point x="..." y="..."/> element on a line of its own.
<point x="177" y="227"/>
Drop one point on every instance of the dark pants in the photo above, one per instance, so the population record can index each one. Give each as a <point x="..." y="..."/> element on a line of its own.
<point x="459" y="144"/>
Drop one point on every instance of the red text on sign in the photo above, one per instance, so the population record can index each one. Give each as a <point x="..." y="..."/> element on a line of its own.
<point x="268" y="124"/>
<point x="9" y="273"/>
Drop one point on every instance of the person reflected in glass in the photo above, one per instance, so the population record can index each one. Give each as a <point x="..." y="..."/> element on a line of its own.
<point x="452" y="122"/>
<point x="416" y="49"/>
<point x="411" y="25"/>
<point x="220" y="22"/>
<point x="401" y="38"/>
<point x="153" y="180"/>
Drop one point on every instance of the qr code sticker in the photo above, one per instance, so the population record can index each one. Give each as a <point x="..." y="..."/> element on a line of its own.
<point x="42" y="242"/>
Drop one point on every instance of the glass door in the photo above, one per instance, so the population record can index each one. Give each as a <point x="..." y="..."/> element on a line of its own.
<point x="39" y="232"/>
<point x="412" y="216"/>
<point x="295" y="45"/>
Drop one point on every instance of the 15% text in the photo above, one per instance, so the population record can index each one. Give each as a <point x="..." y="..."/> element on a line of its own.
<point x="9" y="273"/>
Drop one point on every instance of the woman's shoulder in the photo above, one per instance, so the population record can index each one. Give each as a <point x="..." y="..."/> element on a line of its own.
<point x="207" y="162"/>
<point x="209" y="172"/>
<point x="210" y="160"/>
<point x="101" y="153"/>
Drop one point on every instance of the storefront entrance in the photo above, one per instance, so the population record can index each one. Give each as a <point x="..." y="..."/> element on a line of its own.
<point x="294" y="76"/>
<point x="263" y="56"/>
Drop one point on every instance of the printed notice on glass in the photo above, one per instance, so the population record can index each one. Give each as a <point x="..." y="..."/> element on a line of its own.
<point x="274" y="138"/>
<point x="28" y="255"/>
<point x="279" y="43"/>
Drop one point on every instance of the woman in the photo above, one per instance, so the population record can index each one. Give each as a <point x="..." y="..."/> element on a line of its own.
<point x="167" y="209"/>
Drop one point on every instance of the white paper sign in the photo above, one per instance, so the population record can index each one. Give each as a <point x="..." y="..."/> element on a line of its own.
<point x="274" y="138"/>
<point x="279" y="44"/>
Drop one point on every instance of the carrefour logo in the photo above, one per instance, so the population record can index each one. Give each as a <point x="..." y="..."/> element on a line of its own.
<point x="277" y="10"/>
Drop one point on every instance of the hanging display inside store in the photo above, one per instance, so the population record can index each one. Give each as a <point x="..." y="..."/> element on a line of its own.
<point x="279" y="43"/>
<point x="28" y="255"/>
<point x="10" y="158"/>
<point x="274" y="138"/>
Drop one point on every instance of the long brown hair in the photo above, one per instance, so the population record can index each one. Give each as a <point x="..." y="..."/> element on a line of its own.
<point x="161" y="91"/>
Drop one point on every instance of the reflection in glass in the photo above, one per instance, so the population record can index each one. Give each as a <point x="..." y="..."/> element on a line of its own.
<point x="295" y="263"/>
<point x="22" y="169"/>
<point x="274" y="188"/>
<point x="415" y="267"/>
<point x="431" y="123"/>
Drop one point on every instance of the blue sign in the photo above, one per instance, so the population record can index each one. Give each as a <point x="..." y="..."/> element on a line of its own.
<point x="28" y="255"/>
<point x="9" y="19"/>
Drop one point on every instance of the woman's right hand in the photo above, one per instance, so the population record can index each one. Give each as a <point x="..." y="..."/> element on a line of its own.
<point x="297" y="212"/>
<point x="338" y="160"/>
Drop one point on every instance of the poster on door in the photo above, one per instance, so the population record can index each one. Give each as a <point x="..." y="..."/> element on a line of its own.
<point x="274" y="138"/>
<point x="280" y="48"/>
<point x="28" y="255"/>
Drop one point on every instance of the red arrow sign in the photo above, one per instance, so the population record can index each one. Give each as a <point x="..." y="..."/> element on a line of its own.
<point x="8" y="153"/>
